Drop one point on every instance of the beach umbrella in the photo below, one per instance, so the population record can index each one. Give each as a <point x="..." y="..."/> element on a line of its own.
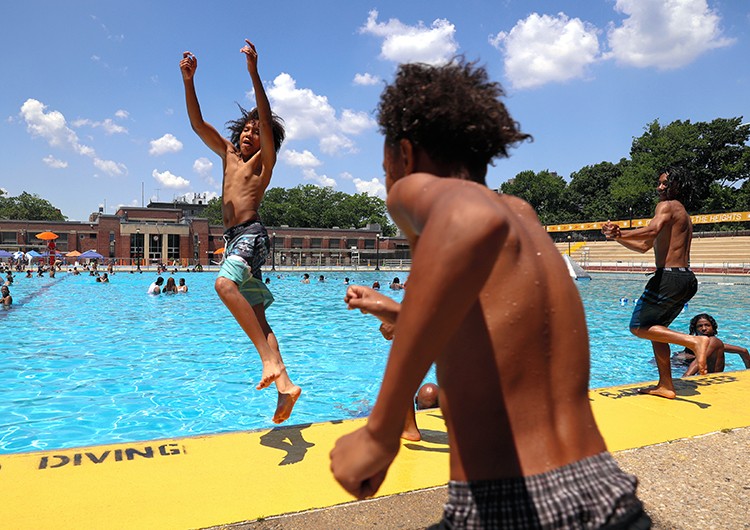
<point x="33" y="254"/>
<point x="72" y="254"/>
<point x="18" y="255"/>
<point x="219" y="250"/>
<point x="47" y="236"/>
<point x="5" y="254"/>
<point x="91" y="254"/>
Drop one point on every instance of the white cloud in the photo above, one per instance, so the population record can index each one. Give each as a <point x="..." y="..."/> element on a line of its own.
<point x="122" y="114"/>
<point x="542" y="49"/>
<point x="322" y="180"/>
<point x="169" y="180"/>
<point x="110" y="167"/>
<point x="166" y="144"/>
<point x="372" y="187"/>
<point x="355" y="122"/>
<point x="405" y="44"/>
<point x="54" y="163"/>
<point x="664" y="34"/>
<point x="108" y="125"/>
<point x="203" y="167"/>
<point x="52" y="127"/>
<point x="300" y="159"/>
<point x="309" y="115"/>
<point x="366" y="79"/>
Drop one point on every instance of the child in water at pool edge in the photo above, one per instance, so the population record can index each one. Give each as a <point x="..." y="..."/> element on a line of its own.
<point x="497" y="312"/>
<point x="248" y="162"/>
<point x="705" y="324"/>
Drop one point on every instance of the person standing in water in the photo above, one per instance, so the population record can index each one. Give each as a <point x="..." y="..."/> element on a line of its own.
<point x="248" y="161"/>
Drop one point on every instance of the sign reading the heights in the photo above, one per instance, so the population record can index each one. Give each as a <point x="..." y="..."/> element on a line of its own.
<point x="730" y="217"/>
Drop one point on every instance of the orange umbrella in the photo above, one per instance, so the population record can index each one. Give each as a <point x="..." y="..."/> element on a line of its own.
<point x="73" y="254"/>
<point x="47" y="235"/>
<point x="219" y="250"/>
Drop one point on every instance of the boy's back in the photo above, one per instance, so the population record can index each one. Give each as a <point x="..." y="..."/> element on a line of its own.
<point x="514" y="376"/>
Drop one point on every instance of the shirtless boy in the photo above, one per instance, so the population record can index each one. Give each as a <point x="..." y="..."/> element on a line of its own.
<point x="705" y="324"/>
<point x="491" y="303"/>
<point x="248" y="161"/>
<point x="669" y="233"/>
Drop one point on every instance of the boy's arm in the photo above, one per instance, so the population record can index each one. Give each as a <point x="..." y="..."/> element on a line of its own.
<point x="744" y="355"/>
<point x="641" y="239"/>
<point x="267" y="147"/>
<point x="441" y="293"/>
<point x="204" y="130"/>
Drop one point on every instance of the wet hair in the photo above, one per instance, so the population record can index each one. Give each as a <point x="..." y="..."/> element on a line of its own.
<point x="453" y="112"/>
<point x="675" y="182"/>
<point x="694" y="323"/>
<point x="235" y="127"/>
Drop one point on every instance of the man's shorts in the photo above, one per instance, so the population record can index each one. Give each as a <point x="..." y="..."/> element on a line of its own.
<point x="247" y="246"/>
<point x="666" y="294"/>
<point x="591" y="493"/>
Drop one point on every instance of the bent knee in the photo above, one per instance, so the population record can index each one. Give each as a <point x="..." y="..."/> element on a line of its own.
<point x="224" y="286"/>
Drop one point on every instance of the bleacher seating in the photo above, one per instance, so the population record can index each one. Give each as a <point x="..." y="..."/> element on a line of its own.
<point x="729" y="254"/>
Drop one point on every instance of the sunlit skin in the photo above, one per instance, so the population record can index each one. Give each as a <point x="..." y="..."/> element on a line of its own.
<point x="247" y="174"/>
<point x="716" y="362"/>
<point x="669" y="233"/>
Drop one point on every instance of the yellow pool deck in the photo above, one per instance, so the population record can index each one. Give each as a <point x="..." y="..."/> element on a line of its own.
<point x="220" y="479"/>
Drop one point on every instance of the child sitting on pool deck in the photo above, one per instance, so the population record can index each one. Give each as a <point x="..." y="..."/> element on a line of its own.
<point x="248" y="162"/>
<point x="490" y="301"/>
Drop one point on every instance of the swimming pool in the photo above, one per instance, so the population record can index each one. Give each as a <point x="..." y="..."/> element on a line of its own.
<point x="87" y="363"/>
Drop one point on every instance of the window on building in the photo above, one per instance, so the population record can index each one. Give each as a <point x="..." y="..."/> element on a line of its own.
<point x="136" y="246"/>
<point x="316" y="242"/>
<point x="154" y="248"/>
<point x="352" y="243"/>
<point x="173" y="246"/>
<point x="297" y="242"/>
<point x="8" y="238"/>
<point x="369" y="243"/>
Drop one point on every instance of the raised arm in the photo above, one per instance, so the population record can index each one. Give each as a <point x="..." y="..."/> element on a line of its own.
<point x="743" y="353"/>
<point x="206" y="132"/>
<point x="267" y="147"/>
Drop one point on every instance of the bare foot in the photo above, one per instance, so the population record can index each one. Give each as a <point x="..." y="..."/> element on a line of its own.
<point x="271" y="372"/>
<point x="285" y="404"/>
<point x="411" y="435"/>
<point x="658" y="391"/>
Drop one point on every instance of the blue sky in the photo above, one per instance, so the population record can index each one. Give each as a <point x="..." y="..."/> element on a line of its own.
<point x="93" y="109"/>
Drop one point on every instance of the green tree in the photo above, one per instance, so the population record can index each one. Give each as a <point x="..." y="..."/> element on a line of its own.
<point x="29" y="206"/>
<point x="545" y="191"/>
<point x="713" y="152"/>
<point x="590" y="193"/>
<point x="212" y="212"/>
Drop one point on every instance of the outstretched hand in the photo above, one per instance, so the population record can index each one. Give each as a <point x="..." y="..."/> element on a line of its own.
<point x="188" y="65"/>
<point x="252" y="56"/>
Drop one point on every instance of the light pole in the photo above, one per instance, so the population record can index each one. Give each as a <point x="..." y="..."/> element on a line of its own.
<point x="377" y="252"/>
<point x="273" y="252"/>
<point x="569" y="239"/>
<point x="630" y="210"/>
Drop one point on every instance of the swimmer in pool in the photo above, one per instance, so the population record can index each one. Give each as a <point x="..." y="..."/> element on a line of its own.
<point x="248" y="161"/>
<point x="704" y="324"/>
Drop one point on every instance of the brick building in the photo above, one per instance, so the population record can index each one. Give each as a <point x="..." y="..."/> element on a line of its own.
<point x="171" y="234"/>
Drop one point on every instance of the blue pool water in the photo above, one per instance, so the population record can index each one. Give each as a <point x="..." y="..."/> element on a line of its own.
<point x="86" y="363"/>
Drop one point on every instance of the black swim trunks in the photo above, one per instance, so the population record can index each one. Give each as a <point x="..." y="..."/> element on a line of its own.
<point x="666" y="294"/>
<point x="591" y="493"/>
